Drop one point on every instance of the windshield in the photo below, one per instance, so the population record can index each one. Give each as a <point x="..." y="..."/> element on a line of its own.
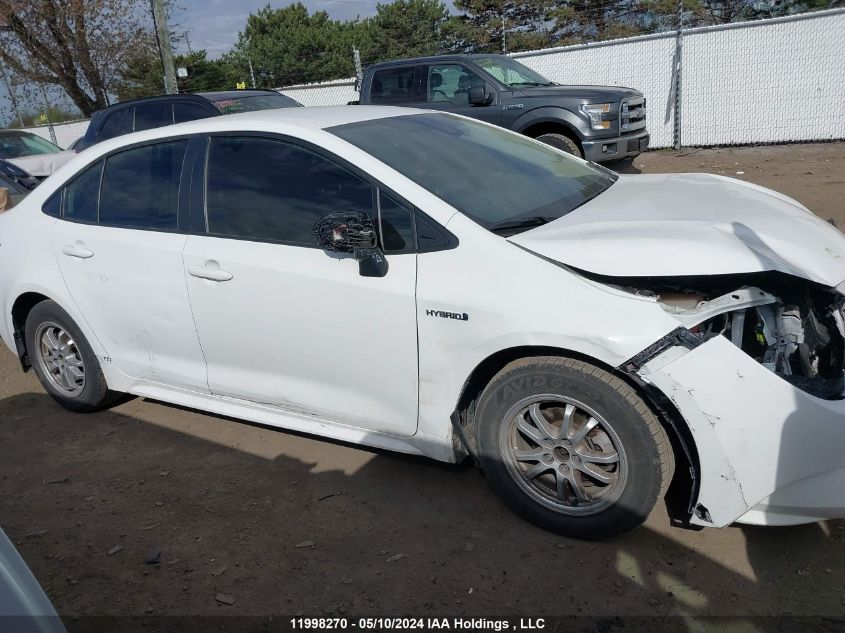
<point x="20" y="144"/>
<point x="510" y="72"/>
<point x="498" y="178"/>
<point x="234" y="105"/>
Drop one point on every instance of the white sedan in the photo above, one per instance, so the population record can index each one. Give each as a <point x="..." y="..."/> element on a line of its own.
<point x="37" y="156"/>
<point x="430" y="284"/>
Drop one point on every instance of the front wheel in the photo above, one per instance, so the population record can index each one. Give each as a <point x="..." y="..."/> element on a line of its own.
<point x="64" y="362"/>
<point x="572" y="448"/>
<point x="560" y="141"/>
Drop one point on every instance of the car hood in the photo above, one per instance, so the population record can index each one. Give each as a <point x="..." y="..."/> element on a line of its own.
<point x="42" y="165"/>
<point x="587" y="94"/>
<point x="691" y="224"/>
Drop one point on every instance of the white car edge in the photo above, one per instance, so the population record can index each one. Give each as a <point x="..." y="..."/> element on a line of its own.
<point x="680" y="332"/>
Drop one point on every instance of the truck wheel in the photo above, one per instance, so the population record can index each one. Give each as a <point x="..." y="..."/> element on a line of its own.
<point x="561" y="142"/>
<point x="64" y="362"/>
<point x="572" y="448"/>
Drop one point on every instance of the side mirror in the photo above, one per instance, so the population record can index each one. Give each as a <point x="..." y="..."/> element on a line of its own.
<point x="353" y="233"/>
<point x="478" y="96"/>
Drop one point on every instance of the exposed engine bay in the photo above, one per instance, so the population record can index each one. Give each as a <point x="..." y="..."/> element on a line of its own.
<point x="793" y="327"/>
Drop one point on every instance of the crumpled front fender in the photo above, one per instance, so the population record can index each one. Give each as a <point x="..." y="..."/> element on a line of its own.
<point x="769" y="453"/>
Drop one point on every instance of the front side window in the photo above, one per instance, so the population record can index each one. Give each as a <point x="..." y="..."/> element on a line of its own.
<point x="270" y="190"/>
<point x="393" y="85"/>
<point x="141" y="187"/>
<point x="451" y="83"/>
<point x="190" y="112"/>
<point x="82" y="195"/>
<point x="502" y="180"/>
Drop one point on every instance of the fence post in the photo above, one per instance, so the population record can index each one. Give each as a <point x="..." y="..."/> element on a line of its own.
<point x="679" y="44"/>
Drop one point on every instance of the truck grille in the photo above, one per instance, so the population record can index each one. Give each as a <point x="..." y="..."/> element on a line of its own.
<point x="632" y="114"/>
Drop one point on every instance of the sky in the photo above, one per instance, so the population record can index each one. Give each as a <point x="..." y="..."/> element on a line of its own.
<point x="214" y="25"/>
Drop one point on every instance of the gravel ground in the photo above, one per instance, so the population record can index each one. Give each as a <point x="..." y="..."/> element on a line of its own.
<point x="249" y="521"/>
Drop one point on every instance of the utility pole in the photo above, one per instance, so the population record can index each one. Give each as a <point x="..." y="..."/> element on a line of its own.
<point x="47" y="115"/>
<point x="504" y="43"/>
<point x="164" y="49"/>
<point x="679" y="45"/>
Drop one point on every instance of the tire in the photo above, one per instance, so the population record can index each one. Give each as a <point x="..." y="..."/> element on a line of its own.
<point x="561" y="142"/>
<point x="80" y="386"/>
<point x="541" y="472"/>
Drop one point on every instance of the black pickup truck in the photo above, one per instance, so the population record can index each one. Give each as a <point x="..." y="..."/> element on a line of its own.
<point x="599" y="123"/>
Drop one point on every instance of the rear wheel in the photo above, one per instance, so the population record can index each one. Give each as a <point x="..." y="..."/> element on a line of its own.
<point x="572" y="448"/>
<point x="561" y="141"/>
<point x="63" y="360"/>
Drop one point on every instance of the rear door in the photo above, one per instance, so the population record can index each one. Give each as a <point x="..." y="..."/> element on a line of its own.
<point x="119" y="247"/>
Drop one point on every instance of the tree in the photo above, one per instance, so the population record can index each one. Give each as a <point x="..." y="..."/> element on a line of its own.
<point x="404" y="28"/>
<point x="78" y="45"/>
<point x="141" y="76"/>
<point x="486" y="24"/>
<point x="289" y="46"/>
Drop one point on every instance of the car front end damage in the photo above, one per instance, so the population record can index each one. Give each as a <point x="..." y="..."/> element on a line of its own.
<point x="755" y="370"/>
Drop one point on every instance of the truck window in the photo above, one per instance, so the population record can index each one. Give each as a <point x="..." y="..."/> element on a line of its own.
<point x="451" y="82"/>
<point x="393" y="85"/>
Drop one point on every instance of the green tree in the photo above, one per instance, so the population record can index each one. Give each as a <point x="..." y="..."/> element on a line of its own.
<point x="404" y="28"/>
<point x="141" y="76"/>
<point x="290" y="46"/>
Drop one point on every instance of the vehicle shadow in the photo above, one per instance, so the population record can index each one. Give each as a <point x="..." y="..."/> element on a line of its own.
<point x="281" y="524"/>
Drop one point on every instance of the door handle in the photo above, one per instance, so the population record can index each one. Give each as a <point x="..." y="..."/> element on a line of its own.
<point x="207" y="272"/>
<point x="78" y="250"/>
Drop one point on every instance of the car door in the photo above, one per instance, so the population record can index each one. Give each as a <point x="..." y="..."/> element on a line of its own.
<point x="284" y="323"/>
<point x="119" y="249"/>
<point x="446" y="87"/>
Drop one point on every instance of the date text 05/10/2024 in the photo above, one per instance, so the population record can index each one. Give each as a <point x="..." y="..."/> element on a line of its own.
<point x="418" y="624"/>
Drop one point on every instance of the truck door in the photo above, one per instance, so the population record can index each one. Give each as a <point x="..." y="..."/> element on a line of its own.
<point x="446" y="87"/>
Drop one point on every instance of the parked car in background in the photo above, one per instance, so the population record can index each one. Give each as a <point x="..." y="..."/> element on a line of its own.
<point x="38" y="156"/>
<point x="20" y="176"/>
<point x="24" y="607"/>
<point x="598" y="123"/>
<point x="14" y="192"/>
<point x="427" y="283"/>
<point x="151" y="112"/>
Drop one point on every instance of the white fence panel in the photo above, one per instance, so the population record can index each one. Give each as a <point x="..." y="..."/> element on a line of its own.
<point x="323" y="94"/>
<point x="66" y="133"/>
<point x="765" y="82"/>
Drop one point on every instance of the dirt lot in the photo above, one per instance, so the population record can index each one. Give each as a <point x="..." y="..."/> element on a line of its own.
<point x="284" y="524"/>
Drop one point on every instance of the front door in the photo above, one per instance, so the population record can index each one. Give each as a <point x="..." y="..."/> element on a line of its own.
<point x="284" y="323"/>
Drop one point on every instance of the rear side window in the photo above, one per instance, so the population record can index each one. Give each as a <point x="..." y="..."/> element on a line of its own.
<point x="190" y="112"/>
<point x="141" y="187"/>
<point x="117" y="124"/>
<point x="394" y="85"/>
<point x="82" y="195"/>
<point x="153" y="115"/>
<point x="53" y="206"/>
<point x="265" y="189"/>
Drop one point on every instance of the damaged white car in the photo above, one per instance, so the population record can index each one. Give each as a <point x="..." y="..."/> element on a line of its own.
<point x="435" y="285"/>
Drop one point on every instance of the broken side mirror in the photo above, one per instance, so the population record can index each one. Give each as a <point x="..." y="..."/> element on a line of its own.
<point x="352" y="232"/>
<point x="478" y="96"/>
